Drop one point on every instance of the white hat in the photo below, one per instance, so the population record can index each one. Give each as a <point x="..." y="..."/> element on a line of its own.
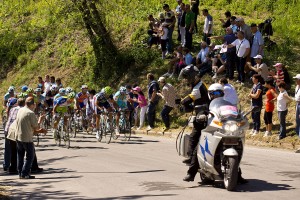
<point x="258" y="57"/>
<point x="297" y="77"/>
<point x="162" y="79"/>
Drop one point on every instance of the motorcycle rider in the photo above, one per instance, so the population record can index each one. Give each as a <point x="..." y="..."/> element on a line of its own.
<point x="197" y="98"/>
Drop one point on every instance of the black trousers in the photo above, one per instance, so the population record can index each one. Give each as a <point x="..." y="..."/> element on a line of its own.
<point x="230" y="64"/>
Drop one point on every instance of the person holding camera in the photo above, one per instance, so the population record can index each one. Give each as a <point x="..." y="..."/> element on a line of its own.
<point x="197" y="97"/>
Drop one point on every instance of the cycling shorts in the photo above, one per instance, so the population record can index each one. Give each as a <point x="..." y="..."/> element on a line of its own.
<point x="81" y="104"/>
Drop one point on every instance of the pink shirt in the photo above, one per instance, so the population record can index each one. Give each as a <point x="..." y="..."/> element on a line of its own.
<point x="143" y="100"/>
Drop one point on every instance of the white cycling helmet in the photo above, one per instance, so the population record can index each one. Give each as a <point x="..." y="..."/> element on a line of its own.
<point x="69" y="90"/>
<point x="215" y="90"/>
<point x="53" y="88"/>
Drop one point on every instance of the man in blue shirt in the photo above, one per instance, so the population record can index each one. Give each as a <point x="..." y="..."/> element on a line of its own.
<point x="153" y="88"/>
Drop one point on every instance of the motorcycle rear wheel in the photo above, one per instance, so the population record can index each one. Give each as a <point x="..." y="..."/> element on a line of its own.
<point x="231" y="173"/>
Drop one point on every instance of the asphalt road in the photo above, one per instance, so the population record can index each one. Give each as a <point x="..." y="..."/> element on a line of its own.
<point x="147" y="167"/>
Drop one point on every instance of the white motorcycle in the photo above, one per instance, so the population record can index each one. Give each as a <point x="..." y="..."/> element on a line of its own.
<point x="221" y="144"/>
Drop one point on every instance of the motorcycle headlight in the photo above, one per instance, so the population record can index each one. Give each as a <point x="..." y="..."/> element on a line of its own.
<point x="231" y="128"/>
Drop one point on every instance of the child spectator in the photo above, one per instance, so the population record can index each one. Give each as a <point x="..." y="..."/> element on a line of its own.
<point x="282" y="107"/>
<point x="142" y="104"/>
<point x="279" y="75"/>
<point x="271" y="96"/>
<point x="256" y="98"/>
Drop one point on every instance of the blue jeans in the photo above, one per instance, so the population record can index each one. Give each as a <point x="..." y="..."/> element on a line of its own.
<point x="298" y="119"/>
<point x="240" y="65"/>
<point x="28" y="148"/>
<point x="165" y="115"/>
<point x="170" y="41"/>
<point x="282" y="117"/>
<point x="256" y="120"/>
<point x="7" y="153"/>
<point x="151" y="114"/>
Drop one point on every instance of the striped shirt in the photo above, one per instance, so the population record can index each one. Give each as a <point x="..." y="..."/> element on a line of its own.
<point x="12" y="117"/>
<point x="169" y="95"/>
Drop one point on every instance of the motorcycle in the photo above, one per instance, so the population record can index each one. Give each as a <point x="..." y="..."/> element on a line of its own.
<point x="221" y="145"/>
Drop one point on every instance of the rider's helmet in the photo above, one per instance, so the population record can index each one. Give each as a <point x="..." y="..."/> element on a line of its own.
<point x="71" y="95"/>
<point x="11" y="89"/>
<point x="22" y="95"/>
<point x="122" y="90"/>
<point x="40" y="85"/>
<point x="189" y="73"/>
<point x="24" y="88"/>
<point x="84" y="87"/>
<point x="69" y="90"/>
<point x="215" y="90"/>
<point x="62" y="91"/>
<point x="108" y="90"/>
<point x="53" y="88"/>
<point x="29" y="90"/>
<point x="38" y="89"/>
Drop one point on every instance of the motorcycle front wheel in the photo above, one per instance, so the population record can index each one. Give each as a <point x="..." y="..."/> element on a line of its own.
<point x="231" y="173"/>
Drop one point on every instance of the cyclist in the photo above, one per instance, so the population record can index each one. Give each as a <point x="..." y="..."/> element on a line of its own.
<point x="104" y="100"/>
<point x="82" y="97"/>
<point x="121" y="99"/>
<point x="61" y="92"/>
<point x="30" y="92"/>
<point x="39" y="99"/>
<point x="61" y="107"/>
<point x="23" y="92"/>
<point x="69" y="90"/>
<point x="10" y="93"/>
<point x="90" y="112"/>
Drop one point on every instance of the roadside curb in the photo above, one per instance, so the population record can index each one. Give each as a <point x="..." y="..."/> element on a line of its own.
<point x="155" y="133"/>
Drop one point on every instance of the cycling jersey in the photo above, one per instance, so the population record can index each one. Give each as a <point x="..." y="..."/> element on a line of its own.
<point x="102" y="101"/>
<point x="62" y="104"/>
<point x="82" y="99"/>
<point x="7" y="96"/>
<point x="121" y="100"/>
<point x="39" y="99"/>
<point x="56" y="96"/>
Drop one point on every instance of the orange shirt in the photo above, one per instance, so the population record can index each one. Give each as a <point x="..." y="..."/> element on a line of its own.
<point x="269" y="96"/>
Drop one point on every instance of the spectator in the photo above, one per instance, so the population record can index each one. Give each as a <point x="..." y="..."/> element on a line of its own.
<point x="178" y="13"/>
<point x="244" y="27"/>
<point x="271" y="96"/>
<point x="47" y="84"/>
<point x="170" y="21"/>
<point x="226" y="23"/>
<point x="189" y="26"/>
<point x="230" y="52"/>
<point x="260" y="68"/>
<point x="297" y="99"/>
<point x="27" y="125"/>
<point x="52" y="80"/>
<point x="130" y="102"/>
<point x="256" y="43"/>
<point x="58" y="83"/>
<point x="188" y="58"/>
<point x="282" y="107"/>
<point x="169" y="95"/>
<point x="279" y="76"/>
<point x="195" y="10"/>
<point x="41" y="83"/>
<point x="256" y="99"/>
<point x="141" y="100"/>
<point x="163" y="32"/>
<point x="242" y="51"/>
<point x="182" y="25"/>
<point x="203" y="62"/>
<point x="153" y="99"/>
<point x="152" y="32"/>
<point x="208" y="26"/>
<point x="218" y="65"/>
<point x="175" y="62"/>
<point x="233" y="25"/>
<point x="230" y="93"/>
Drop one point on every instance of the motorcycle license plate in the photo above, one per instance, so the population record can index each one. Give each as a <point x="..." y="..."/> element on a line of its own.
<point x="230" y="141"/>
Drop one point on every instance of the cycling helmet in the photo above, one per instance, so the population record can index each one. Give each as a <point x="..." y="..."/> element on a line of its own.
<point x="38" y="90"/>
<point x="22" y="95"/>
<point x="123" y="90"/>
<point x="24" y="88"/>
<point x="71" y="95"/>
<point x="11" y="89"/>
<point x="40" y="85"/>
<point x="215" y="90"/>
<point x="12" y="102"/>
<point x="53" y="88"/>
<point x="84" y="87"/>
<point x="69" y="90"/>
<point x="62" y="91"/>
<point x="108" y="90"/>
<point x="29" y="90"/>
<point x="189" y="73"/>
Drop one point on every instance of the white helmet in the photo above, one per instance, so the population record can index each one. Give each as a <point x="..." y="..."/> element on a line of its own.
<point x="53" y="88"/>
<point x="215" y="90"/>
<point x="69" y="90"/>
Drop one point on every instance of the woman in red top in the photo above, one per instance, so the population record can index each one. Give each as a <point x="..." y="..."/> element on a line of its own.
<point x="271" y="96"/>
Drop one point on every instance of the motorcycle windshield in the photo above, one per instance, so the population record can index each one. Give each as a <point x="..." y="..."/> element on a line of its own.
<point x="224" y="109"/>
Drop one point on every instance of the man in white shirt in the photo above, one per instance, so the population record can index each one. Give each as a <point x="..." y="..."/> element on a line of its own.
<point x="230" y="93"/>
<point x="297" y="99"/>
<point x="242" y="51"/>
<point x="208" y="25"/>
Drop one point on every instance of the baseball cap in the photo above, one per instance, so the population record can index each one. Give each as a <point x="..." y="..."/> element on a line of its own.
<point x="278" y="65"/>
<point x="297" y="77"/>
<point x="162" y="79"/>
<point x="258" y="57"/>
<point x="137" y="88"/>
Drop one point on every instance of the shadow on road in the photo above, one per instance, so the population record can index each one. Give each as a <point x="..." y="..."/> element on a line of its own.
<point x="256" y="185"/>
<point x="132" y="172"/>
<point x="290" y="174"/>
<point x="137" y="196"/>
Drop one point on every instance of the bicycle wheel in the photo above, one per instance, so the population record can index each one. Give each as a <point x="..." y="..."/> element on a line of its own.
<point x="127" y="131"/>
<point x="57" y="138"/>
<point x="108" y="132"/>
<point x="67" y="138"/>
